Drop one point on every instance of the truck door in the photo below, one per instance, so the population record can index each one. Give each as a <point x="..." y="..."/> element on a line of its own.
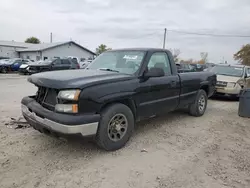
<point x="159" y="94"/>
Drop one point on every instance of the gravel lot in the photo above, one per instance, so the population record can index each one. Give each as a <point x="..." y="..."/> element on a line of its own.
<point x="172" y="151"/>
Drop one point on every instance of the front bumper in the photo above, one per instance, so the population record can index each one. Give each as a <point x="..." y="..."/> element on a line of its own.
<point x="47" y="121"/>
<point x="229" y="91"/>
<point x="23" y="70"/>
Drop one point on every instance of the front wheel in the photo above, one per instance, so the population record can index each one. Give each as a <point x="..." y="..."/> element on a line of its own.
<point x="115" y="127"/>
<point x="199" y="106"/>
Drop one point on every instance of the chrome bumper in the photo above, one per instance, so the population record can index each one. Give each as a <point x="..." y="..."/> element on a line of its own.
<point x="84" y="129"/>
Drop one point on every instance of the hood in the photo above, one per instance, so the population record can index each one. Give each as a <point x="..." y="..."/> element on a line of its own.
<point x="224" y="78"/>
<point x="76" y="79"/>
<point x="23" y="66"/>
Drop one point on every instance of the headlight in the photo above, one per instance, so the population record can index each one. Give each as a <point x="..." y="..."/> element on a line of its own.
<point x="241" y="82"/>
<point x="230" y="84"/>
<point x="69" y="95"/>
<point x="67" y="108"/>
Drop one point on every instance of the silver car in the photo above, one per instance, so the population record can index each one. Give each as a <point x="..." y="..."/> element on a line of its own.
<point x="231" y="79"/>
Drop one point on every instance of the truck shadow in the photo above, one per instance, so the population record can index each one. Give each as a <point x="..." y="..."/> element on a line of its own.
<point x="224" y="98"/>
<point x="161" y="120"/>
<point x="79" y="146"/>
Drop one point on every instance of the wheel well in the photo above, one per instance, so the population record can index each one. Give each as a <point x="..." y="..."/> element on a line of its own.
<point x="205" y="88"/>
<point x="128" y="102"/>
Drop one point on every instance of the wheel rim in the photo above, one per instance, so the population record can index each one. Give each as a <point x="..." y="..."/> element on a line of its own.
<point x="117" y="127"/>
<point x="202" y="103"/>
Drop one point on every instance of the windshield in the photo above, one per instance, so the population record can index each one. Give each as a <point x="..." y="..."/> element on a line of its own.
<point x="228" y="70"/>
<point x="127" y="62"/>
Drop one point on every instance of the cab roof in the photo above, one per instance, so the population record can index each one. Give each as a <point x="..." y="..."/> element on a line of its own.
<point x="141" y="49"/>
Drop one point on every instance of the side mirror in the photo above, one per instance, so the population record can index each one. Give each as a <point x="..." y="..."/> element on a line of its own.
<point x="154" y="72"/>
<point x="247" y="75"/>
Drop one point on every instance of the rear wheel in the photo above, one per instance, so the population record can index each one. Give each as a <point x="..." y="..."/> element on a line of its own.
<point x="199" y="106"/>
<point x="115" y="127"/>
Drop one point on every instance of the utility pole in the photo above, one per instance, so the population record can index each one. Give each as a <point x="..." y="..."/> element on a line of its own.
<point x="164" y="40"/>
<point x="51" y="38"/>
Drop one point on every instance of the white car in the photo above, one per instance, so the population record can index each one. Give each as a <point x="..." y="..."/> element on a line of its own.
<point x="24" y="68"/>
<point x="84" y="64"/>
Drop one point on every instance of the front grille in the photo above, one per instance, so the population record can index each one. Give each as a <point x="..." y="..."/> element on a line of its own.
<point x="34" y="68"/>
<point x="221" y="84"/>
<point x="47" y="97"/>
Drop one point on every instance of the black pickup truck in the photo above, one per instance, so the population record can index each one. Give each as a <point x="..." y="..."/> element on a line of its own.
<point x="119" y="88"/>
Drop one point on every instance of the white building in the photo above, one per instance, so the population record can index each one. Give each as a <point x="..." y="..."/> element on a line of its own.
<point x="9" y="48"/>
<point x="43" y="51"/>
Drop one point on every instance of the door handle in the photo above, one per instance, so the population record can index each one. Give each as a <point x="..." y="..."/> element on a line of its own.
<point x="173" y="83"/>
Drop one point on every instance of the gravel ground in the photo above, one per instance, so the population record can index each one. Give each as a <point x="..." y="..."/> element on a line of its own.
<point x="172" y="151"/>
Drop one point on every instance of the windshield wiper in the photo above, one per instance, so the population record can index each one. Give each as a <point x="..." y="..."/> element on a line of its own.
<point x="107" y="69"/>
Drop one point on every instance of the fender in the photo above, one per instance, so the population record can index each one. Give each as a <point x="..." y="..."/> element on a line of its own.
<point x="123" y="97"/>
<point x="204" y="83"/>
<point x="115" y="97"/>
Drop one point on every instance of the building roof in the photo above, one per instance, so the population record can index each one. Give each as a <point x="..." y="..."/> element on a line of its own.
<point x="41" y="47"/>
<point x="45" y="46"/>
<point x="15" y="44"/>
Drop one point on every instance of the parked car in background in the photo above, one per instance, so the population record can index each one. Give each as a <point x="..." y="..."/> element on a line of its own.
<point x="118" y="89"/>
<point x="75" y="59"/>
<point x="3" y="61"/>
<point x="181" y="67"/>
<point x="52" y="65"/>
<point x="17" y="64"/>
<point x="5" y="64"/>
<point x="231" y="79"/>
<point x="23" y="69"/>
<point x="85" y="63"/>
<point x="197" y="67"/>
<point x="10" y="65"/>
<point x="2" y="65"/>
<point x="208" y="66"/>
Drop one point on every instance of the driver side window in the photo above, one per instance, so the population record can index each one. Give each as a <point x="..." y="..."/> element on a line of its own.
<point x="160" y="60"/>
<point x="57" y="62"/>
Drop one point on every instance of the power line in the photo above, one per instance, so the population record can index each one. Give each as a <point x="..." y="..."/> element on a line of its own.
<point x="209" y="34"/>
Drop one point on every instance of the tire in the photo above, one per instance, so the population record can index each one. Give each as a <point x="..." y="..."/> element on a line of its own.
<point x="105" y="137"/>
<point x="4" y="70"/>
<point x="195" y="109"/>
<point x="234" y="97"/>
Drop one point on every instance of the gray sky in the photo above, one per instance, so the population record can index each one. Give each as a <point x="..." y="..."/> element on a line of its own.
<point x="131" y="23"/>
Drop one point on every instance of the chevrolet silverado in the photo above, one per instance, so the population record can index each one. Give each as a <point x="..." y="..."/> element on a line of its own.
<point x="118" y="89"/>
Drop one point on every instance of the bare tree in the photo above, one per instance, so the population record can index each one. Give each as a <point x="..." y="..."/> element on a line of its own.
<point x="203" y="58"/>
<point x="176" y="53"/>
